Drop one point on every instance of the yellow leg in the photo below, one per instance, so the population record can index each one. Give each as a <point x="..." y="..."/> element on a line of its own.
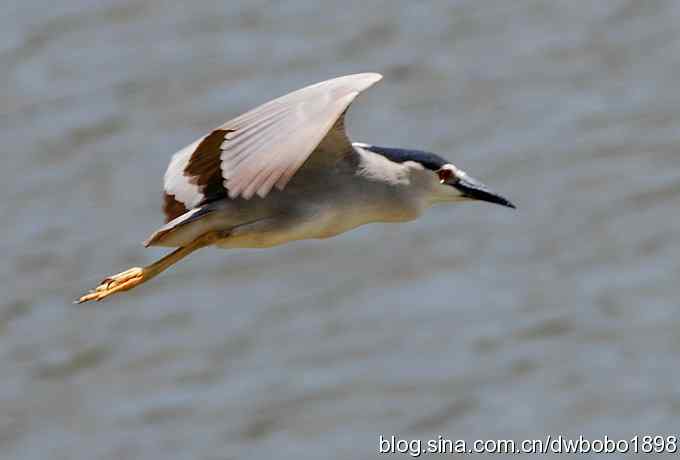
<point x="135" y="276"/>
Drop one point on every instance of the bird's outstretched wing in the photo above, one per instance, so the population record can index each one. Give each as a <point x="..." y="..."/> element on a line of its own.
<point x="264" y="147"/>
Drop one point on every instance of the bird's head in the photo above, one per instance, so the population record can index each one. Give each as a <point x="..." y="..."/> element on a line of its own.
<point x="441" y="180"/>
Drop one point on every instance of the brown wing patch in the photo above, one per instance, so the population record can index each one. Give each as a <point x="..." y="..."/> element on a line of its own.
<point x="172" y="208"/>
<point x="203" y="168"/>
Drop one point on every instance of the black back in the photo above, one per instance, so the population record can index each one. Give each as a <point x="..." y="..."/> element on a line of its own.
<point x="427" y="159"/>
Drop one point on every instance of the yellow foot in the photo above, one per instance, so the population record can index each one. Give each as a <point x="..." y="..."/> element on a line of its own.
<point x="123" y="281"/>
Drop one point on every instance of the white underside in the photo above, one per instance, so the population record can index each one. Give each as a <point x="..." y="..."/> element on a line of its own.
<point x="324" y="224"/>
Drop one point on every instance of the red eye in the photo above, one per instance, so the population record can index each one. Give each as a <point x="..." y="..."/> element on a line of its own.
<point x="444" y="175"/>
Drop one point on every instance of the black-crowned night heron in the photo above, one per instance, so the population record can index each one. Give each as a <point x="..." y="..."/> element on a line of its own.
<point x="325" y="184"/>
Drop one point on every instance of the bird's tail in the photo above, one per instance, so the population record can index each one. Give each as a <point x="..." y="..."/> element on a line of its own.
<point x="163" y="237"/>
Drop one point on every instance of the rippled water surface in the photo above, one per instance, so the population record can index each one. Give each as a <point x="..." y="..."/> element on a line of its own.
<point x="473" y="322"/>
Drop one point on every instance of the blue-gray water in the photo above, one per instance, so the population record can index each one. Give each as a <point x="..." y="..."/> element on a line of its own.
<point x="473" y="322"/>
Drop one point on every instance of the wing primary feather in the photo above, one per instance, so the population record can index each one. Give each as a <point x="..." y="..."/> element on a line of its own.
<point x="261" y="123"/>
<point x="248" y="169"/>
<point x="260" y="179"/>
<point x="267" y="185"/>
<point x="264" y="138"/>
<point x="257" y="112"/>
<point x="233" y="149"/>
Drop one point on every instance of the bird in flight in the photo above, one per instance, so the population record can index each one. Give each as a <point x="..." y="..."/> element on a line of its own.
<point x="287" y="171"/>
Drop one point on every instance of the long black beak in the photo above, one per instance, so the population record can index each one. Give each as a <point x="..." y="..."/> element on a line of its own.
<point x="474" y="189"/>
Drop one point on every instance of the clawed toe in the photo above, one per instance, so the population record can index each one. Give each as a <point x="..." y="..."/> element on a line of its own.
<point x="121" y="282"/>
